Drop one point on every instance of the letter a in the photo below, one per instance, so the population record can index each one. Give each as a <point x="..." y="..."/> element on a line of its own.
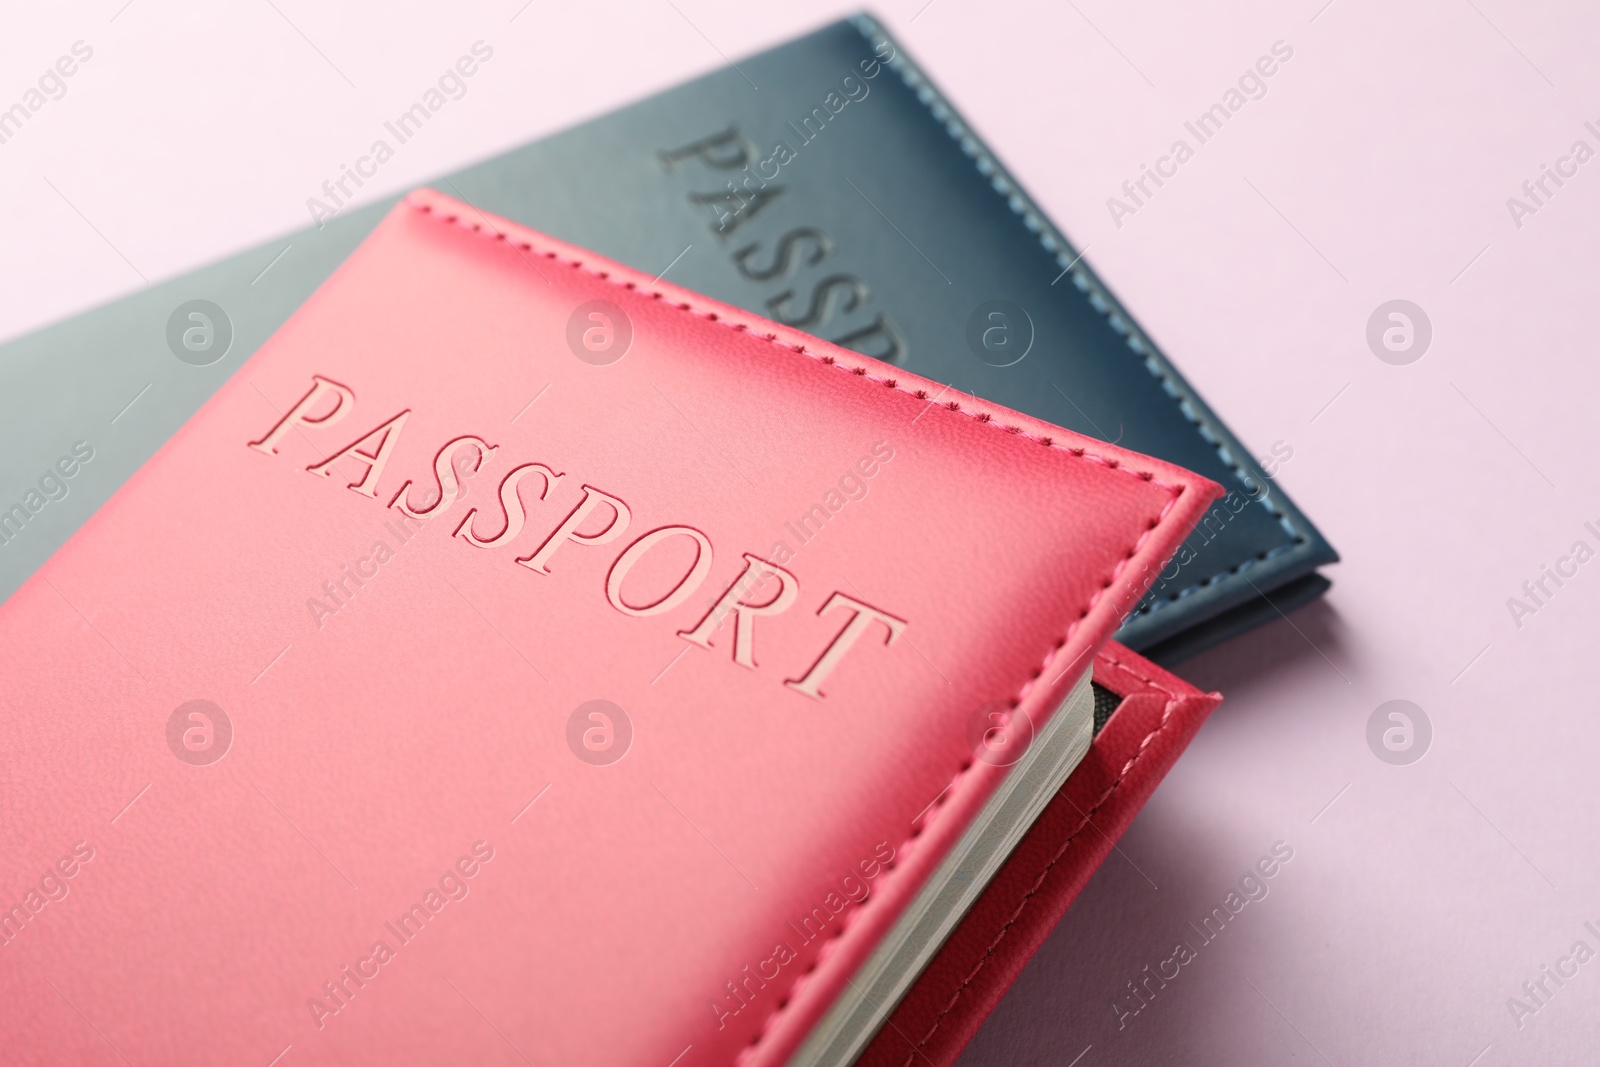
<point x="373" y="449"/>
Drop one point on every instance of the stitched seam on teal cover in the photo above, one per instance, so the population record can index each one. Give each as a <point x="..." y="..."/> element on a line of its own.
<point x="1056" y="244"/>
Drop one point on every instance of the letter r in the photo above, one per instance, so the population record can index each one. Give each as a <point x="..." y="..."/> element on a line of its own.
<point x="755" y="574"/>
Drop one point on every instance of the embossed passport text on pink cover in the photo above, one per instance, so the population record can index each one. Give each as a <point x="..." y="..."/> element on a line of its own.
<point x="521" y="660"/>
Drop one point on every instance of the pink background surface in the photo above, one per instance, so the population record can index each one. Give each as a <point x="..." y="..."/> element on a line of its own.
<point x="1376" y="167"/>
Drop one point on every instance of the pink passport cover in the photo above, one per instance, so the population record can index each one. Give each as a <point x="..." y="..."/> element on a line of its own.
<point x="389" y="835"/>
<point x="1156" y="719"/>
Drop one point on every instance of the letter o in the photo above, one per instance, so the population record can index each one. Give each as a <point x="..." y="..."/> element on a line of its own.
<point x="635" y="552"/>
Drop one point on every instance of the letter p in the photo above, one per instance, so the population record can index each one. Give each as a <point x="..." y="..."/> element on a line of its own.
<point x="302" y="413"/>
<point x="568" y="530"/>
<point x="728" y="150"/>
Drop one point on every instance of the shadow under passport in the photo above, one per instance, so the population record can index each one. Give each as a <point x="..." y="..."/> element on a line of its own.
<point x="1075" y="992"/>
<point x="1257" y="659"/>
<point x="1098" y="979"/>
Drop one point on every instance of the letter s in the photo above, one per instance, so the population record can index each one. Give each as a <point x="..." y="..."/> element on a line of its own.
<point x="1283" y="850"/>
<point x="444" y="476"/>
<point x="483" y="51"/>
<point x="83" y="51"/>
<point x="483" y="850"/>
<point x="83" y="450"/>
<point x="824" y="297"/>
<point x="510" y="505"/>
<point x="1283" y="51"/>
<point x="784" y="257"/>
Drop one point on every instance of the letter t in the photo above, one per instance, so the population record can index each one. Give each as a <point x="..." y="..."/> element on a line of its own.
<point x="863" y="617"/>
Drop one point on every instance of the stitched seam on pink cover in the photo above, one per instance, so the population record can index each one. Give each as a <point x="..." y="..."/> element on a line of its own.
<point x="1044" y="872"/>
<point x="982" y="417"/>
<point x="937" y="805"/>
<point x="740" y="327"/>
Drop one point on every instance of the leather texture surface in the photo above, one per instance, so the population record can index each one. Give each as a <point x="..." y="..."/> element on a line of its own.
<point x="402" y="839"/>
<point x="886" y="225"/>
<point x="1158" y="716"/>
